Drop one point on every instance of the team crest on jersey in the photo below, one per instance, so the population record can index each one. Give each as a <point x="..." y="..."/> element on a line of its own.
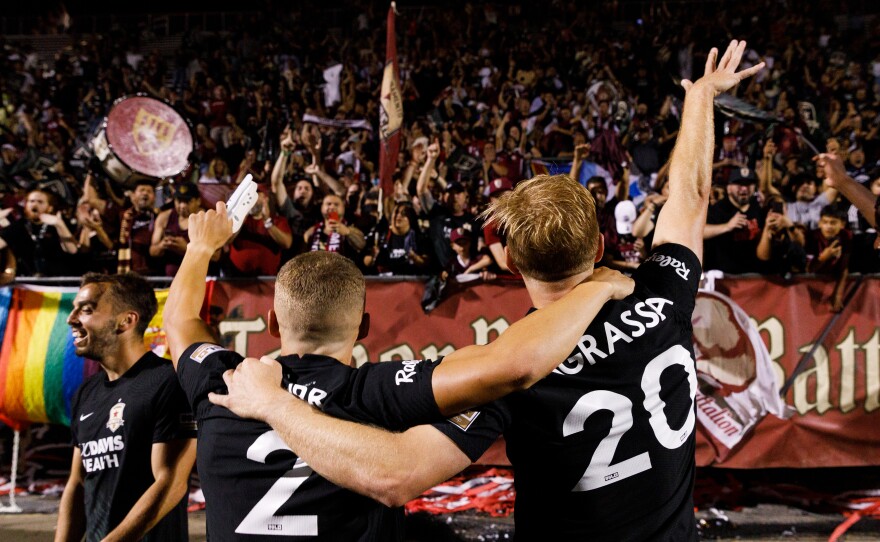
<point x="204" y="351"/>
<point x="464" y="420"/>
<point x="116" y="421"/>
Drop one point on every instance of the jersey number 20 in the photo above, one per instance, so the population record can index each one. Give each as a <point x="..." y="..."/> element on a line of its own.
<point x="262" y="519"/>
<point x="600" y="472"/>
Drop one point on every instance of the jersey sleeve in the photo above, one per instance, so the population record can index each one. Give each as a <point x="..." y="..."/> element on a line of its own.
<point x="672" y="271"/>
<point x="477" y="429"/>
<point x="392" y="394"/>
<point x="200" y="371"/>
<point x="173" y="417"/>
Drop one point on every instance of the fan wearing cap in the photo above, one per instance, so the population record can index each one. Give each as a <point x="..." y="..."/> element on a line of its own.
<point x="491" y="236"/>
<point x="451" y="213"/>
<point x="629" y="251"/>
<point x="465" y="261"/>
<point x="170" y="232"/>
<point x="730" y="158"/>
<point x="733" y="226"/>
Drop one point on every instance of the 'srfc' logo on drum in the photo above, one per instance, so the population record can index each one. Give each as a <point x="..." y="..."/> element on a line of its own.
<point x="151" y="133"/>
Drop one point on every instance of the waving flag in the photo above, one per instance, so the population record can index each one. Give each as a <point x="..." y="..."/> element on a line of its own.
<point x="390" y="110"/>
<point x="39" y="369"/>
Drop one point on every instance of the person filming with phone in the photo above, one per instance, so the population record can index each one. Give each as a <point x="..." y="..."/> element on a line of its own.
<point x="333" y="234"/>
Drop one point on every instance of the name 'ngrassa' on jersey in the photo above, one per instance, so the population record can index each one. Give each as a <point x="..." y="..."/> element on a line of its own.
<point x="645" y="315"/>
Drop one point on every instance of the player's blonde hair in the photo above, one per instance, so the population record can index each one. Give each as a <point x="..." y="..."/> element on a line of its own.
<point x="550" y="225"/>
<point x="319" y="295"/>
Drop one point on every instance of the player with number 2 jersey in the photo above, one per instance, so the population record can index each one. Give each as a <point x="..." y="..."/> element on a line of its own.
<point x="257" y="488"/>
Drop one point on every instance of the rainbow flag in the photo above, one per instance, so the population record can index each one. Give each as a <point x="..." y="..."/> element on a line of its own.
<point x="39" y="369"/>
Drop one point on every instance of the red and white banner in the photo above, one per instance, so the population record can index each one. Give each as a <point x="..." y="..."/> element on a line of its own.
<point x="835" y="399"/>
<point x="390" y="110"/>
<point x="737" y="384"/>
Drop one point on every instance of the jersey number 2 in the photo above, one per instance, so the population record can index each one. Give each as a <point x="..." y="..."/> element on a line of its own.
<point x="262" y="519"/>
<point x="600" y="472"/>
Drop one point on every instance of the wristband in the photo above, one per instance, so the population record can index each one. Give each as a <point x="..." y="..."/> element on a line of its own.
<point x="268" y="223"/>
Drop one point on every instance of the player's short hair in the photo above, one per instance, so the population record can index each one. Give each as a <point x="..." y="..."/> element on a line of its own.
<point x="551" y="226"/>
<point x="128" y="291"/>
<point x="319" y="294"/>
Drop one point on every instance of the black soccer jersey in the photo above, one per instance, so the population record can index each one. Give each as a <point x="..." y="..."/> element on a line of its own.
<point x="256" y="488"/>
<point x="114" y="424"/>
<point x="603" y="447"/>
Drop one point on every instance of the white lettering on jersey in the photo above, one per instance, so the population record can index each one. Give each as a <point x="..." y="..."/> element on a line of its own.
<point x="651" y="310"/>
<point x="404" y="376"/>
<point x="97" y="454"/>
<point x="613" y="334"/>
<point x="665" y="261"/>
<point x="313" y="396"/>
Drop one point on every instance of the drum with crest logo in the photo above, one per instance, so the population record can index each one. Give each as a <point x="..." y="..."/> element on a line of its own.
<point x="143" y="137"/>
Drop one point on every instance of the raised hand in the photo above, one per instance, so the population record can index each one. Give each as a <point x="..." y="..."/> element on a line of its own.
<point x="211" y="228"/>
<point x="433" y="151"/>
<point x="832" y="166"/>
<point x="723" y="76"/>
<point x="737" y="221"/>
<point x="581" y="152"/>
<point x="251" y="388"/>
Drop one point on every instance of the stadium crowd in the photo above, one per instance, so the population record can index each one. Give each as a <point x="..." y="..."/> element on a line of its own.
<point x="493" y="94"/>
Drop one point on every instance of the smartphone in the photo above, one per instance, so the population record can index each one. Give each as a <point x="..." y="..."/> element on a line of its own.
<point x="776" y="207"/>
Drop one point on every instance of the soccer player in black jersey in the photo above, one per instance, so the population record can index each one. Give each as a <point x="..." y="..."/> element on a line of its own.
<point x="603" y="448"/>
<point x="133" y="431"/>
<point x="255" y="486"/>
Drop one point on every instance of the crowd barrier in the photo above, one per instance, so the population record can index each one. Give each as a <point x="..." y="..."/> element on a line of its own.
<point x="833" y="401"/>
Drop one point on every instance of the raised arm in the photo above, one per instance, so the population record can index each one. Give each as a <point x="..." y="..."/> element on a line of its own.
<point x="430" y="160"/>
<point x="690" y="172"/>
<point x="277" y="177"/>
<point x="208" y="231"/>
<point x="851" y="189"/>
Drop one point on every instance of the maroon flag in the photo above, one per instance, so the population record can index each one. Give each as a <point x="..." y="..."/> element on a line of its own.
<point x="390" y="111"/>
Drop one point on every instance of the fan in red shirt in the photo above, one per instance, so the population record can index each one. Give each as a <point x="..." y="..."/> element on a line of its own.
<point x="257" y="248"/>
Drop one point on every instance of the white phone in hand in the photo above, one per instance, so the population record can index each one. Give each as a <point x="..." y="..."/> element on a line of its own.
<point x="241" y="202"/>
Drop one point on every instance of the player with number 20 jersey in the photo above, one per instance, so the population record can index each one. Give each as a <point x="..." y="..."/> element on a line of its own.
<point x="615" y="418"/>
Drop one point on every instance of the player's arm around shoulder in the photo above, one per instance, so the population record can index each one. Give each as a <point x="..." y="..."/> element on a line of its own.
<point x="208" y="231"/>
<point x="389" y="467"/>
<point x="530" y="348"/>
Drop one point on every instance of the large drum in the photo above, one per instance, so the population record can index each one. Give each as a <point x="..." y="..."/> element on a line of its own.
<point x="143" y="137"/>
